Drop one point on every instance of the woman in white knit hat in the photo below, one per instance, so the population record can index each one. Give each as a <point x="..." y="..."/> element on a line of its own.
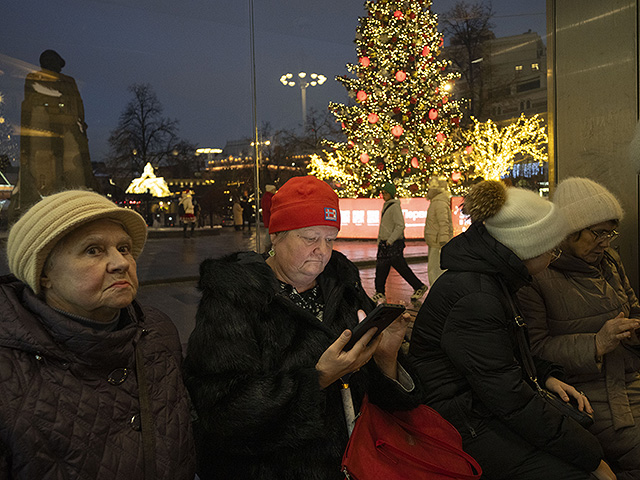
<point x="583" y="313"/>
<point x="91" y="381"/>
<point x="465" y="344"/>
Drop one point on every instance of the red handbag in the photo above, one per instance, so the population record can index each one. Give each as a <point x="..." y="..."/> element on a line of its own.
<point x="414" y="444"/>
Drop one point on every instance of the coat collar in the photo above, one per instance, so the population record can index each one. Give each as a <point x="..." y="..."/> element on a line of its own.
<point x="30" y="325"/>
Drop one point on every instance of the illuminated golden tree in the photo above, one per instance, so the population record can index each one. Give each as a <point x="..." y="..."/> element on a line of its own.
<point x="401" y="126"/>
<point x="491" y="151"/>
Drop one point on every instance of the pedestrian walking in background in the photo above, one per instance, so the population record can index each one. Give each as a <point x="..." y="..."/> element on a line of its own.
<point x="247" y="210"/>
<point x="391" y="248"/>
<point x="187" y="214"/>
<point x="438" y="226"/>
<point x="237" y="213"/>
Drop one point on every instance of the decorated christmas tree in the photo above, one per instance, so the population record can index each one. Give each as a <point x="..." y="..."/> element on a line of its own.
<point x="403" y="125"/>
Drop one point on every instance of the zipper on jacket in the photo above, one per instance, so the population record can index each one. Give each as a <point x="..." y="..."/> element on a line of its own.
<point x="465" y="420"/>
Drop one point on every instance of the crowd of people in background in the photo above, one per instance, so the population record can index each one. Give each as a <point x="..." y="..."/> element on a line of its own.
<point x="95" y="385"/>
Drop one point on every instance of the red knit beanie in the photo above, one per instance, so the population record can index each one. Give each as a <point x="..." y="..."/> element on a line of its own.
<point x="304" y="202"/>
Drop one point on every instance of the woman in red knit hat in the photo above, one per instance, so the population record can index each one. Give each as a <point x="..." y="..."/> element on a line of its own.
<point x="265" y="360"/>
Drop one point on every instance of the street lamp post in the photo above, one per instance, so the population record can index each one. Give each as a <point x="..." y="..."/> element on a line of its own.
<point x="314" y="79"/>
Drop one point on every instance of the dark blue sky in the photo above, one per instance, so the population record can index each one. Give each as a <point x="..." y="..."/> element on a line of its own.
<point x="196" y="56"/>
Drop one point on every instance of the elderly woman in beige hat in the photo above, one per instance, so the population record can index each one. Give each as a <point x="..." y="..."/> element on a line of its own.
<point x="91" y="380"/>
<point x="583" y="314"/>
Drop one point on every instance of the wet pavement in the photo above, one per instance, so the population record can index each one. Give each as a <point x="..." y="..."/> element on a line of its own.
<point x="168" y="268"/>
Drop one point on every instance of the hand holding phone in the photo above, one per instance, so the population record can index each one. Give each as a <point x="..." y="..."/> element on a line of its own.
<point x="381" y="317"/>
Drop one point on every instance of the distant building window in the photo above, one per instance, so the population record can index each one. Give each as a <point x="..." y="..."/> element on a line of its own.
<point x="532" y="85"/>
<point x="535" y="66"/>
<point x="528" y="104"/>
<point x="522" y="106"/>
<point x="518" y="68"/>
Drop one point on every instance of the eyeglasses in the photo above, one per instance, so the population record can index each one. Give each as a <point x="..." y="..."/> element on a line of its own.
<point x="555" y="254"/>
<point x="603" y="235"/>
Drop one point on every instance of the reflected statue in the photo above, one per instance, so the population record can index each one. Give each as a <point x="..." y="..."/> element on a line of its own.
<point x="54" y="148"/>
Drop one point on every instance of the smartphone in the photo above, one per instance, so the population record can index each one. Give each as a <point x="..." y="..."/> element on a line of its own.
<point x="382" y="316"/>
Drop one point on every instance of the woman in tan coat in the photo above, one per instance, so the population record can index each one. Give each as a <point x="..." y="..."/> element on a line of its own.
<point x="583" y="314"/>
<point x="438" y="227"/>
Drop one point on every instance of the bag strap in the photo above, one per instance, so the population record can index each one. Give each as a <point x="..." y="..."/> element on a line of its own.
<point x="148" y="438"/>
<point x="523" y="344"/>
<point x="384" y="210"/>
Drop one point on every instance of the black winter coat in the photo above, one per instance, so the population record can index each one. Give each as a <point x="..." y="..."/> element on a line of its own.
<point x="63" y="412"/>
<point x="250" y="369"/>
<point x="465" y="351"/>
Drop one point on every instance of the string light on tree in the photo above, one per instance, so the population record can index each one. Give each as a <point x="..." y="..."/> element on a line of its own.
<point x="491" y="151"/>
<point x="403" y="117"/>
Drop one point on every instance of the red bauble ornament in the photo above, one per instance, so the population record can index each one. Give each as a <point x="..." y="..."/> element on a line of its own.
<point x="361" y="96"/>
<point x="396" y="110"/>
<point x="412" y="15"/>
<point x="397" y="131"/>
<point x="428" y="158"/>
<point x="440" y="137"/>
<point x="364" y="61"/>
<point x="376" y="141"/>
<point x="373" y="118"/>
<point x="401" y="76"/>
<point x="359" y="120"/>
<point x="413" y="187"/>
<point x="397" y="14"/>
<point x="426" y="51"/>
<point x="343" y="125"/>
<point x="455" y="120"/>
<point x="456" y="176"/>
<point x="412" y="58"/>
<point x="364" y="158"/>
<point x="441" y="41"/>
<point x="413" y="100"/>
<point x="445" y="99"/>
<point x="380" y="166"/>
<point x="433" y="114"/>
<point x="468" y="149"/>
<point x="415" y="163"/>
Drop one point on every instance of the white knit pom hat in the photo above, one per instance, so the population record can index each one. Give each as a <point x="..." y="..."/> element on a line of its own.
<point x="520" y="219"/>
<point x="34" y="235"/>
<point x="585" y="203"/>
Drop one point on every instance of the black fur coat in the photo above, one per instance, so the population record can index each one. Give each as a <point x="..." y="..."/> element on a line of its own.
<point x="250" y="369"/>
